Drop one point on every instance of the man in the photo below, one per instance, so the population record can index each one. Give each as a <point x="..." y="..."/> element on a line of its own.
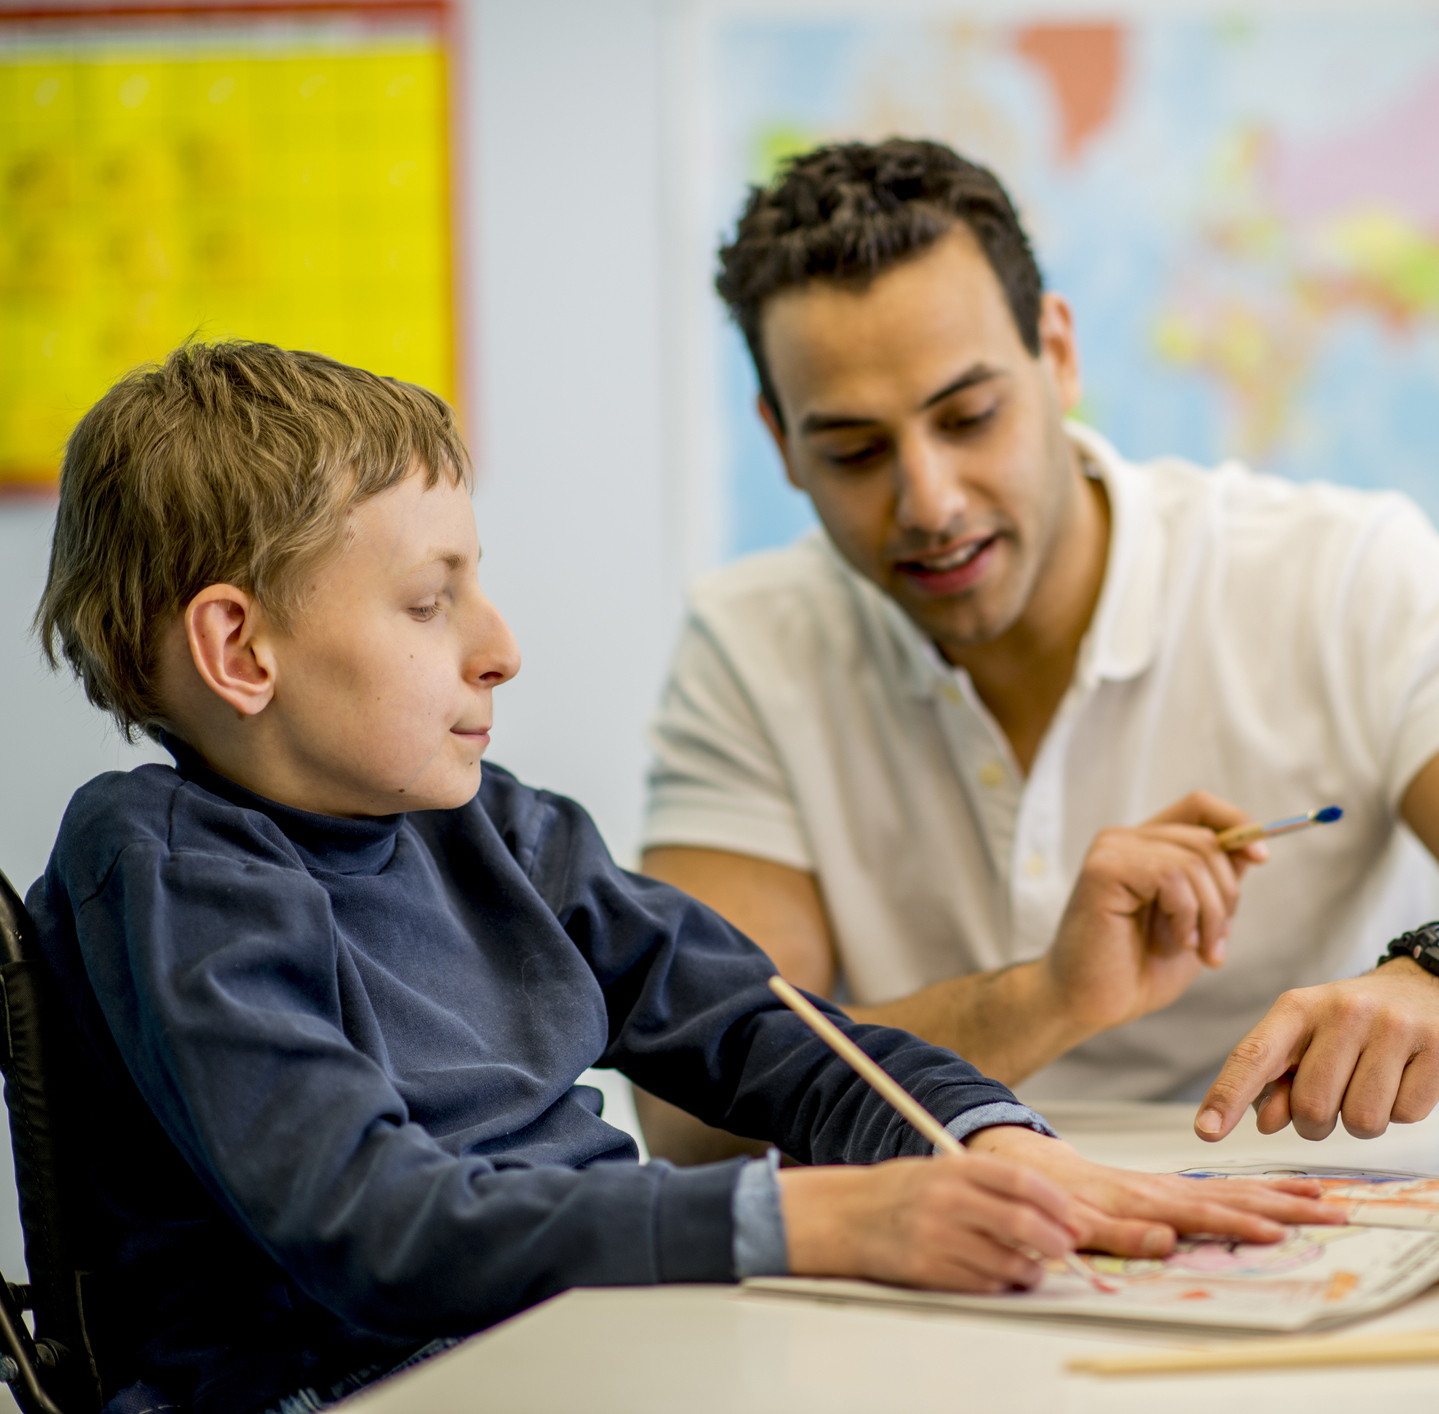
<point x="911" y="756"/>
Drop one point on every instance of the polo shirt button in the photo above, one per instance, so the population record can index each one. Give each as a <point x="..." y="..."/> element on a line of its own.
<point x="991" y="774"/>
<point x="1034" y="865"/>
<point x="951" y="692"/>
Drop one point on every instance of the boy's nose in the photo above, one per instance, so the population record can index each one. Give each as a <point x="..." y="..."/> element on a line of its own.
<point x="495" y="658"/>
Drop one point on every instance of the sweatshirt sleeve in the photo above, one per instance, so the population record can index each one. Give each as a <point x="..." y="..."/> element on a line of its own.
<point x="216" y="976"/>
<point x="693" y="1021"/>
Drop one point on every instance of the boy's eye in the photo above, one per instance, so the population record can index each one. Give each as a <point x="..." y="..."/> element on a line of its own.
<point x="424" y="611"/>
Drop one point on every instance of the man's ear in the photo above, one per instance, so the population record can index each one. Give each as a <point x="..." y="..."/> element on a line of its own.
<point x="1058" y="349"/>
<point x="770" y="418"/>
<point x="224" y="628"/>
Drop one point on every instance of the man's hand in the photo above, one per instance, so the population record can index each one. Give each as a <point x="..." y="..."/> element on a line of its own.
<point x="1366" y="1049"/>
<point x="1151" y="907"/>
<point x="1141" y="1214"/>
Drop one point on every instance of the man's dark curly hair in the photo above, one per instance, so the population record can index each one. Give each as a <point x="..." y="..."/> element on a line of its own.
<point x="848" y="212"/>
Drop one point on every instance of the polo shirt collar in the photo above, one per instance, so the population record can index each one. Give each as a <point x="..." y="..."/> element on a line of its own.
<point x="1123" y="635"/>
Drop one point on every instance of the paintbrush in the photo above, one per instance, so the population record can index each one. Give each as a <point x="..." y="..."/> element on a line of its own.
<point x="891" y="1090"/>
<point x="1242" y="835"/>
<point x="1271" y="1354"/>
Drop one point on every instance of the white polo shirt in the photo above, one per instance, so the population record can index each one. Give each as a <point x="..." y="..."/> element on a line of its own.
<point x="1277" y="644"/>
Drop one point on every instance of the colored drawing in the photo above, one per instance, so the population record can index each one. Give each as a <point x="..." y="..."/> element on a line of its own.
<point x="282" y="176"/>
<point x="1316" y="1277"/>
<point x="1412" y="1203"/>
<point x="1370" y="1198"/>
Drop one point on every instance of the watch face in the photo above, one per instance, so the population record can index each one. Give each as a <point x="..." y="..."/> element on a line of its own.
<point x="1425" y="947"/>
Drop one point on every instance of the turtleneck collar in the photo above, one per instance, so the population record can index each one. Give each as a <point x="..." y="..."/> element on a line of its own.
<point x="334" y="843"/>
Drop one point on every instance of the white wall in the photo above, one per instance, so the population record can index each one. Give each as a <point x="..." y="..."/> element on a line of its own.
<point x="565" y="134"/>
<point x="562" y="179"/>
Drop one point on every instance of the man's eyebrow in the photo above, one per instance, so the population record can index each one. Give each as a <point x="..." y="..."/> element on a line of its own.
<point x="980" y="373"/>
<point x="827" y="422"/>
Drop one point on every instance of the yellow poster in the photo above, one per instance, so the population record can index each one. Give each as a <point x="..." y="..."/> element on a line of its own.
<point x="220" y="175"/>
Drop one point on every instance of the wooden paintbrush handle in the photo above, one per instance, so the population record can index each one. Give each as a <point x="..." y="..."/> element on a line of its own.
<point x="868" y="1070"/>
<point x="1240" y="836"/>
<point x="1402" y="1347"/>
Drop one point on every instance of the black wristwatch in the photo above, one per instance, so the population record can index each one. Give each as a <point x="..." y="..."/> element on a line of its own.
<point x="1422" y="945"/>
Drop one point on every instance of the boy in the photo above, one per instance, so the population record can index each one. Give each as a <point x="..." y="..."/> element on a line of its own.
<point x="333" y="988"/>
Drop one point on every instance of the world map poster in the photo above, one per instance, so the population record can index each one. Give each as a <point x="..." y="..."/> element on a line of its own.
<point x="281" y="175"/>
<point x="1241" y="205"/>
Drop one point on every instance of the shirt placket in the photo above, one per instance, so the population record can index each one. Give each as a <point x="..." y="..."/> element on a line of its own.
<point x="987" y="769"/>
<point x="1039" y="885"/>
<point x="1021" y="819"/>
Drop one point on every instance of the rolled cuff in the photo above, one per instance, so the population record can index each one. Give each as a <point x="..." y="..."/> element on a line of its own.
<point x="759" y="1240"/>
<point x="997" y="1112"/>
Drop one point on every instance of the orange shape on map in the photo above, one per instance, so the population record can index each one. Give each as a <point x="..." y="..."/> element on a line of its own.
<point x="1084" y="65"/>
<point x="1340" y="1285"/>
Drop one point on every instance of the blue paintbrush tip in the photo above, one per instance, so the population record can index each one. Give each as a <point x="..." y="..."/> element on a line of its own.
<point x="1326" y="816"/>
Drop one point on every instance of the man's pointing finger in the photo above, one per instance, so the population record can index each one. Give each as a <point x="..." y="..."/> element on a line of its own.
<point x="1260" y="1059"/>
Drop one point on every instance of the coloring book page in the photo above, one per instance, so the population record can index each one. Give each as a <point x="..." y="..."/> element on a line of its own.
<point x="1371" y="1197"/>
<point x="1412" y="1203"/>
<point x="1316" y="1277"/>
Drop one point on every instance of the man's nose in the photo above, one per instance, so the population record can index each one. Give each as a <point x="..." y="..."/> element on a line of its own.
<point x="929" y="494"/>
<point x="494" y="655"/>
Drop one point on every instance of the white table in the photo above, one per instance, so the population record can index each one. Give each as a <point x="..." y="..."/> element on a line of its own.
<point x="700" y="1349"/>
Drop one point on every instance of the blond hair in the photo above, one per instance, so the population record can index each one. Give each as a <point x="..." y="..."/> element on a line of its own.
<point x="229" y="463"/>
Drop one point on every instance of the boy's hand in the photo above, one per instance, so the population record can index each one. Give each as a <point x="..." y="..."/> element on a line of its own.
<point x="951" y="1223"/>
<point x="1140" y="1214"/>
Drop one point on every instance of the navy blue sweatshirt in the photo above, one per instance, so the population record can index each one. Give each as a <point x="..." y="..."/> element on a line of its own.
<point x="332" y="1106"/>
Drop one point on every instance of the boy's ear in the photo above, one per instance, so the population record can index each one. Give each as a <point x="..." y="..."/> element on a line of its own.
<point x="230" y="652"/>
